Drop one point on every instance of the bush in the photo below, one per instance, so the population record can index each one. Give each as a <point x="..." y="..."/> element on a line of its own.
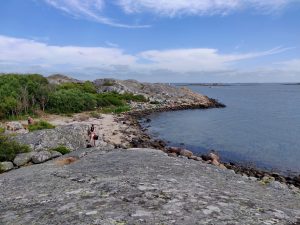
<point x="9" y="148"/>
<point x="62" y="149"/>
<point x="135" y="98"/>
<point x="41" y="125"/>
<point x="71" y="101"/>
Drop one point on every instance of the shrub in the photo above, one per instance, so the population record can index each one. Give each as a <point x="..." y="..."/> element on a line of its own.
<point x="62" y="149"/>
<point x="9" y="148"/>
<point x="40" y="126"/>
<point x="132" y="97"/>
<point x="71" y="101"/>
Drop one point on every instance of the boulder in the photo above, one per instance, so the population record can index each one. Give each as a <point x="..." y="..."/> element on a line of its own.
<point x="174" y="150"/>
<point x="72" y="136"/>
<point x="6" y="166"/>
<point x="186" y="153"/>
<point x="41" y="156"/>
<point x="14" y="126"/>
<point x="22" y="159"/>
<point x="55" y="154"/>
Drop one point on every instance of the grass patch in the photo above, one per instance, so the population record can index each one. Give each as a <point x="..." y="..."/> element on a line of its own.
<point x="41" y="125"/>
<point x="116" y="110"/>
<point x="62" y="149"/>
<point x="2" y="130"/>
<point x="9" y="148"/>
<point x="95" y="114"/>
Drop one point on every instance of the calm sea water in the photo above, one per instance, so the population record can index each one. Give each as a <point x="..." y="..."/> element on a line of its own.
<point x="259" y="126"/>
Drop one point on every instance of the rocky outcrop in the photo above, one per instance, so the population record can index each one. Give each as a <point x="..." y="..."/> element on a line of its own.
<point x="157" y="93"/>
<point x="72" y="136"/>
<point x="139" y="186"/>
<point x="59" y="79"/>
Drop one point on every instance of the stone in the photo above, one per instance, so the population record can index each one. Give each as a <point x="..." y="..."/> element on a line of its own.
<point x="172" y="154"/>
<point x="14" y="126"/>
<point x="6" y="166"/>
<point x="55" y="154"/>
<point x="186" y="153"/>
<point x="41" y="157"/>
<point x="23" y="158"/>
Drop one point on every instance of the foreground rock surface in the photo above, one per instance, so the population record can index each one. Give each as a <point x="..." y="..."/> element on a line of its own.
<point x="139" y="186"/>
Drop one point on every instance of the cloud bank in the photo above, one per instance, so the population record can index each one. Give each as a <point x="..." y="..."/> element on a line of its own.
<point x="24" y="55"/>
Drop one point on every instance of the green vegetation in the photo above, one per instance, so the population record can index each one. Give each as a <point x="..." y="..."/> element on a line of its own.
<point x="2" y="130"/>
<point x="9" y="148"/>
<point x="23" y="95"/>
<point x="41" y="125"/>
<point x="62" y="149"/>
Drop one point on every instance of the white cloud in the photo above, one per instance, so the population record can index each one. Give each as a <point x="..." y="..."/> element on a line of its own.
<point x="200" y="7"/>
<point x="95" y="9"/>
<point x="24" y="52"/>
<point x="201" y="59"/>
<point x="89" y="10"/>
<point x="23" y="55"/>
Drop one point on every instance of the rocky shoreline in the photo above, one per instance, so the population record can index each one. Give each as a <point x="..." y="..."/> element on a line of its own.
<point x="144" y="140"/>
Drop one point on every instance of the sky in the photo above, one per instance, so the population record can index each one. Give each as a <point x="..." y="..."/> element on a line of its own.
<point x="153" y="40"/>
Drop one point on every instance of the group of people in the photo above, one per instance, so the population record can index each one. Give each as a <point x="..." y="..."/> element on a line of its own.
<point x="92" y="137"/>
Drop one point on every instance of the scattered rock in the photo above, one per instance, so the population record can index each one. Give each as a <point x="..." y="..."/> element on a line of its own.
<point x="23" y="158"/>
<point x="40" y="157"/>
<point x="6" y="166"/>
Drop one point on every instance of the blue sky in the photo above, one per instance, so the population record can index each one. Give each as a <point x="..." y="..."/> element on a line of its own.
<point x="153" y="40"/>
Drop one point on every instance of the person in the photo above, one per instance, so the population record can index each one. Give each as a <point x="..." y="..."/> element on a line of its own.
<point x="30" y="120"/>
<point x="92" y="128"/>
<point x="92" y="135"/>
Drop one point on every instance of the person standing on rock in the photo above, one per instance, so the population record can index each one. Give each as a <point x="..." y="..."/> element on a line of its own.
<point x="93" y="137"/>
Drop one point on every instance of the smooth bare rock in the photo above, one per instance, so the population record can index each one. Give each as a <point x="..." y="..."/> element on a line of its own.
<point x="140" y="186"/>
<point x="23" y="158"/>
<point x="40" y="157"/>
<point x="6" y="166"/>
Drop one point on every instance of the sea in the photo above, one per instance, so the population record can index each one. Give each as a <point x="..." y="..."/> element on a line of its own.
<point x="260" y="126"/>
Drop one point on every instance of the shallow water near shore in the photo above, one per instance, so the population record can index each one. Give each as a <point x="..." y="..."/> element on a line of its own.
<point x="260" y="125"/>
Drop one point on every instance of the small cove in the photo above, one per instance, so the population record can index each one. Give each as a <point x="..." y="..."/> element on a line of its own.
<point x="260" y="125"/>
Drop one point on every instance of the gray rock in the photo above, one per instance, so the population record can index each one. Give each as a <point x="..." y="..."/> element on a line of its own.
<point x="41" y="156"/>
<point x="22" y="159"/>
<point x="72" y="136"/>
<point x="55" y="154"/>
<point x="6" y="166"/>
<point x="140" y="186"/>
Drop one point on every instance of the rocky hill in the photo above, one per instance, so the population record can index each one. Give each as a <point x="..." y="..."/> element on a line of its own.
<point x="59" y="79"/>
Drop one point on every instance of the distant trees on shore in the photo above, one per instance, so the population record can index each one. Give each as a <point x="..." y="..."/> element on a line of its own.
<point x="27" y="94"/>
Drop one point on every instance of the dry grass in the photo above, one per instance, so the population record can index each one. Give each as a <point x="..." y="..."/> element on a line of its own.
<point x="66" y="161"/>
